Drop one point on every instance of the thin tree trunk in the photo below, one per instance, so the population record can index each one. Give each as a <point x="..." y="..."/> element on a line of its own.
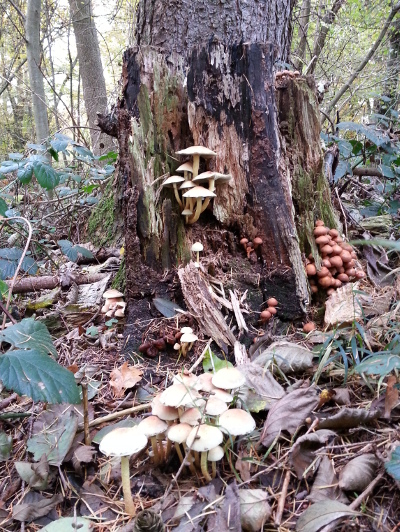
<point x="390" y="88"/>
<point x="33" y="51"/>
<point x="91" y="71"/>
<point x="304" y="19"/>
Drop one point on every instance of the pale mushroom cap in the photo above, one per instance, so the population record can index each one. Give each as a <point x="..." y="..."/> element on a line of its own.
<point x="123" y="441"/>
<point x="152" y="425"/>
<point x="222" y="178"/>
<point x="228" y="378"/>
<point x="204" y="438"/>
<point x="204" y="382"/>
<point x="191" y="416"/>
<point x="197" y="246"/>
<point x="186" y="330"/>
<point x="215" y="406"/>
<point x="185" y="167"/>
<point x="167" y="413"/>
<point x="236" y="422"/>
<point x="188" y="380"/>
<point x="179" y="433"/>
<point x="188" y="338"/>
<point x="199" y="192"/>
<point x="112" y="293"/>
<point x="186" y="212"/>
<point x="216" y="454"/>
<point x="173" y="180"/>
<point x="203" y="177"/>
<point x="178" y="395"/>
<point x="187" y="184"/>
<point x="222" y="394"/>
<point x="197" y="150"/>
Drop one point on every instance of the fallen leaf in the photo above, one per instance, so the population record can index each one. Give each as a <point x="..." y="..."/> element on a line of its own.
<point x="322" y="513"/>
<point x="243" y="466"/>
<point x="391" y="397"/>
<point x="303" y="451"/>
<point x="288" y="356"/>
<point x="341" y="306"/>
<point x="261" y="389"/>
<point x="94" y="503"/>
<point x="289" y="413"/>
<point x="30" y="511"/>
<point x="342" y="396"/>
<point x="123" y="378"/>
<point x="393" y="466"/>
<point x="326" y="485"/>
<point x="69" y="524"/>
<point x="347" y="418"/>
<point x="83" y="454"/>
<point x="228" y="515"/>
<point x="6" y="442"/>
<point x="35" y="475"/>
<point x="358" y="473"/>
<point x="254" y="509"/>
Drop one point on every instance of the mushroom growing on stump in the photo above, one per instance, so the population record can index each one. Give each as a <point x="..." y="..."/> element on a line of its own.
<point x="211" y="178"/>
<point x="196" y="248"/>
<point x="202" y="439"/>
<point x="187" y="340"/>
<point x="186" y="168"/>
<point x="123" y="443"/>
<point x="172" y="182"/>
<point x="197" y="151"/>
<point x="198" y="193"/>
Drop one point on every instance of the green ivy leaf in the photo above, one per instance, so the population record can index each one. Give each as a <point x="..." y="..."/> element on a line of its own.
<point x="30" y="372"/>
<point x="218" y="363"/>
<point x="71" y="251"/>
<point x="29" y="334"/>
<point x="3" y="207"/>
<point x="25" y="174"/>
<point x="393" y="466"/>
<point x="53" y="153"/>
<point x="59" y="144"/>
<point x="6" y="443"/>
<point x="46" y="176"/>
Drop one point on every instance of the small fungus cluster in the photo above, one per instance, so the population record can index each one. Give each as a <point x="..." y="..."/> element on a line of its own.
<point x="193" y="198"/>
<point x="338" y="261"/>
<point x="251" y="246"/>
<point x="181" y="340"/>
<point x="270" y="311"/>
<point x="114" y="305"/>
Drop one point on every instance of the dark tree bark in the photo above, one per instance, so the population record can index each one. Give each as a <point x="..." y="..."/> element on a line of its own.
<point x="202" y="73"/>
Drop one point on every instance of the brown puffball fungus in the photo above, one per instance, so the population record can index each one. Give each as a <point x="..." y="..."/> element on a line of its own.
<point x="265" y="316"/>
<point x="272" y="310"/>
<point x="244" y="242"/>
<point x="319" y="223"/>
<point x="314" y="289"/>
<point x="320" y="231"/>
<point x="360" y="274"/>
<point x="311" y="270"/>
<point x="272" y="302"/>
<point x="323" y="240"/>
<point x="310" y="326"/>
<point x="257" y="241"/>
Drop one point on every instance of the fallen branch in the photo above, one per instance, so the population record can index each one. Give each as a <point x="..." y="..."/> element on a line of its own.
<point x="47" y="282"/>
<point x="116" y="415"/>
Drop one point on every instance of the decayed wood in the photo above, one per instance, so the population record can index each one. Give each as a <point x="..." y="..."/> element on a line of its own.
<point x="201" y="305"/>
<point x="240" y="352"/>
<point x="238" y="313"/>
<point x="33" y="284"/>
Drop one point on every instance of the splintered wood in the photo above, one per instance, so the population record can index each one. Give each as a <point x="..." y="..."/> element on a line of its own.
<point x="200" y="304"/>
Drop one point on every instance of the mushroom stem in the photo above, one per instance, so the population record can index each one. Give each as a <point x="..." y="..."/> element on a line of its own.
<point x="197" y="459"/>
<point x="178" y="199"/>
<point x="154" y="446"/>
<point x="126" y="486"/>
<point x="196" y="164"/>
<point x="211" y="187"/>
<point x="179" y="452"/>
<point x="204" y="468"/>
<point x="191" y="466"/>
<point x="161" y="449"/>
<point x="214" y="469"/>
<point x="197" y="213"/>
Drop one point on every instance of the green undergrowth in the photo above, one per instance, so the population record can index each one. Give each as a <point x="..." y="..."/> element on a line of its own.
<point x="101" y="224"/>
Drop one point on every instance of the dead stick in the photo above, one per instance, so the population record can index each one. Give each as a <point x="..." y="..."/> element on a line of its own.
<point x="85" y="412"/>
<point x="116" y="415"/>
<point x="282" y="499"/>
<point x="356" y="503"/>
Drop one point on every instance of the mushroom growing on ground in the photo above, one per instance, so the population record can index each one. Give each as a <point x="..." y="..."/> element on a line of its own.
<point x="215" y="455"/>
<point x="178" y="434"/>
<point x="151" y="427"/>
<point x="228" y="379"/>
<point x="187" y="340"/>
<point x="202" y="439"/>
<point x="124" y="442"/>
<point x="310" y="326"/>
<point x="112" y="297"/>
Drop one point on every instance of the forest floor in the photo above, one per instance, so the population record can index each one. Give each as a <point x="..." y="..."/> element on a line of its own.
<point x="324" y="451"/>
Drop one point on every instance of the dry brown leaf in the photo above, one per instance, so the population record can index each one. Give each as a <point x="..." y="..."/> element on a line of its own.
<point x="30" y="511"/>
<point x="342" y="307"/>
<point x="326" y="484"/>
<point x="303" y="451"/>
<point x="243" y="466"/>
<point x="289" y="413"/>
<point x="391" y="397"/>
<point x="123" y="378"/>
<point x="358" y="473"/>
<point x="347" y="418"/>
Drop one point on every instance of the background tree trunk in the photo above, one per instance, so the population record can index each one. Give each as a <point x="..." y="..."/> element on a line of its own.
<point x="184" y="84"/>
<point x="33" y="52"/>
<point x="91" y="71"/>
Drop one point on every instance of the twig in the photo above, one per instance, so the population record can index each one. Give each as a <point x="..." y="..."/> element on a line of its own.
<point x="282" y="499"/>
<point x="6" y="312"/>
<point x="7" y="220"/>
<point x="116" y="415"/>
<point x="201" y="357"/>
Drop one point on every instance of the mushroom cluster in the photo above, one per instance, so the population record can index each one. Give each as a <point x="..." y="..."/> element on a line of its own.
<point x="193" y="198"/>
<point x="193" y="415"/>
<point x="338" y="261"/>
<point x="251" y="247"/>
<point x="181" y="340"/>
<point x="270" y="311"/>
<point x="114" y="305"/>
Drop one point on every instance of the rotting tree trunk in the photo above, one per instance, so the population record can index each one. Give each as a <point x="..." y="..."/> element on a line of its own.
<point x="218" y="91"/>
